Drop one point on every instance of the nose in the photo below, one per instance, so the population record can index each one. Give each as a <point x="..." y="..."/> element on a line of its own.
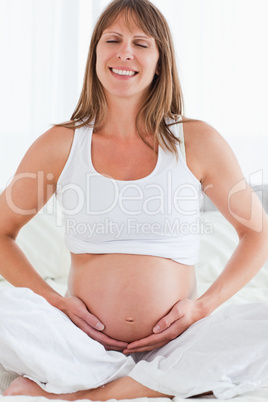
<point x="125" y="52"/>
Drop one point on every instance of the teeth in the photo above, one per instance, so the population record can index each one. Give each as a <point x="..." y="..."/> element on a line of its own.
<point x="123" y="72"/>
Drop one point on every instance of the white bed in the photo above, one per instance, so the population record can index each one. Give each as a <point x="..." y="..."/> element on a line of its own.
<point x="42" y="241"/>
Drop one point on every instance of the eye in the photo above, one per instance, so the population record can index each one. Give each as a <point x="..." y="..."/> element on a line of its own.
<point x="144" y="46"/>
<point x="137" y="44"/>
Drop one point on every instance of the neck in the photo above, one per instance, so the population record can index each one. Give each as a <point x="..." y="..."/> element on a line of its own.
<point x="121" y="118"/>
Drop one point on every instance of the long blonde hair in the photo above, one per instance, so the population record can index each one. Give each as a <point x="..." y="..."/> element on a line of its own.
<point x="165" y="98"/>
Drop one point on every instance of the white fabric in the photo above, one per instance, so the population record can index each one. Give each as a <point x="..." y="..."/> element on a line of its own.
<point x="158" y="214"/>
<point x="224" y="353"/>
<point x="216" y="248"/>
<point x="40" y="342"/>
<point x="42" y="240"/>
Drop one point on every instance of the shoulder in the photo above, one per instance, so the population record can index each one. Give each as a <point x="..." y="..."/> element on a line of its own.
<point x="221" y="176"/>
<point x="53" y="146"/>
<point x="199" y="132"/>
<point x="206" y="148"/>
<point x="35" y="178"/>
<point x="57" y="136"/>
<point x="49" y="152"/>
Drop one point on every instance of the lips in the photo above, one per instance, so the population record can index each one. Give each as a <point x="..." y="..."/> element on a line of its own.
<point x="123" y="69"/>
<point x="127" y="71"/>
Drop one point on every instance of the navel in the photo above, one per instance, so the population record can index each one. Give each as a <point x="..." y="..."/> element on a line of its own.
<point x="130" y="320"/>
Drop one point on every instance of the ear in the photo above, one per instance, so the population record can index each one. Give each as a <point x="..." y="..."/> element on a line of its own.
<point x="157" y="71"/>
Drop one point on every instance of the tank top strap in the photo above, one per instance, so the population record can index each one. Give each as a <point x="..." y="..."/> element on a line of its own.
<point x="177" y="130"/>
<point x="181" y="138"/>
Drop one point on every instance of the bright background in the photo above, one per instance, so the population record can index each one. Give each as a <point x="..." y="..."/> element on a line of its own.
<point x="221" y="50"/>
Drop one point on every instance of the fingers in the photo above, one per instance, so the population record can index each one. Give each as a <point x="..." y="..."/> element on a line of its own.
<point x="83" y="313"/>
<point x="110" y="343"/>
<point x="90" y="324"/>
<point x="168" y="328"/>
<point x="83" y="326"/>
<point x="106" y="341"/>
<point x="157" y="340"/>
<point x="168" y="320"/>
<point x="93" y="321"/>
<point x="145" y="348"/>
<point x="148" y="341"/>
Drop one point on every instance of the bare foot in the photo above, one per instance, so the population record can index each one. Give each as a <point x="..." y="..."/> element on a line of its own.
<point x="24" y="386"/>
<point x="123" y="388"/>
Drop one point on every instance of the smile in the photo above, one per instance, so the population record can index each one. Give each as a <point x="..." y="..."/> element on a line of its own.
<point x="123" y="72"/>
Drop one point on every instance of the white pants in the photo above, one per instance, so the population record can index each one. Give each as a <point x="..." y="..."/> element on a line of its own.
<point x="225" y="353"/>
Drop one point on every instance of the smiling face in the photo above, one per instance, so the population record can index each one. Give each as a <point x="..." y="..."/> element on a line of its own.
<point x="126" y="60"/>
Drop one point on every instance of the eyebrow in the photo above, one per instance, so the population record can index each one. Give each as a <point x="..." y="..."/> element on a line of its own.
<point x="135" y="36"/>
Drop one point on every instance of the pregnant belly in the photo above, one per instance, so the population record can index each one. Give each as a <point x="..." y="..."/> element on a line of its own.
<point x="129" y="293"/>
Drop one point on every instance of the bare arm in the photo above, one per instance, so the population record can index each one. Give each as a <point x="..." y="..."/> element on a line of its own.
<point x="212" y="161"/>
<point x="225" y="185"/>
<point x="33" y="184"/>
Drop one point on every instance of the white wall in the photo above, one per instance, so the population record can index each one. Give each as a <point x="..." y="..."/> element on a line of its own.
<point x="38" y="72"/>
<point x="222" y="58"/>
<point x="221" y="52"/>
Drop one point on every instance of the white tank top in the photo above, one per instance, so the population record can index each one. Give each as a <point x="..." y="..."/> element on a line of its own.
<point x="157" y="215"/>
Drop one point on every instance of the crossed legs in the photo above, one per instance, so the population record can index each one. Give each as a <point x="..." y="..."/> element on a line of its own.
<point x="64" y="371"/>
<point x="123" y="388"/>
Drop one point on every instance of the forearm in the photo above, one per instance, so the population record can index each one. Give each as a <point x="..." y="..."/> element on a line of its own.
<point x="245" y="262"/>
<point x="16" y="269"/>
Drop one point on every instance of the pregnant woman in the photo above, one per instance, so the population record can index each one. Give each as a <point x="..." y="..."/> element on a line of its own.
<point x="129" y="171"/>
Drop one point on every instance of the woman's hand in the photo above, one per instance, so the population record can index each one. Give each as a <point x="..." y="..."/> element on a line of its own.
<point x="183" y="314"/>
<point x="77" y="311"/>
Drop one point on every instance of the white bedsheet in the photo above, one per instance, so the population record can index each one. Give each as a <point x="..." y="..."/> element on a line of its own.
<point x="216" y="248"/>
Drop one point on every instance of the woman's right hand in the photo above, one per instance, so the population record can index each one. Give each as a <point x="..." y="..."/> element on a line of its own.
<point x="77" y="311"/>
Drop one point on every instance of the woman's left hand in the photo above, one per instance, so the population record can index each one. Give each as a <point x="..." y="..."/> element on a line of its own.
<point x="183" y="314"/>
